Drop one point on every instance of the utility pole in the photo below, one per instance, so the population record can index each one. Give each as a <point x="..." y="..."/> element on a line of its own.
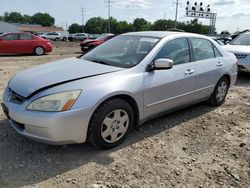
<point x="109" y="2"/>
<point x="83" y="14"/>
<point x="176" y="12"/>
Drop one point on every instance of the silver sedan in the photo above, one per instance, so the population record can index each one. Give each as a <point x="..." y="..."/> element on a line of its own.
<point x="124" y="82"/>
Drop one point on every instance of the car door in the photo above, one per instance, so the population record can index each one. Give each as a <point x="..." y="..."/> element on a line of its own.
<point x="167" y="89"/>
<point x="26" y="43"/>
<point x="8" y="44"/>
<point x="209" y="66"/>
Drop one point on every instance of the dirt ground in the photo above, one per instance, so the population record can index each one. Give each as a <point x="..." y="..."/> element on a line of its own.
<point x="199" y="146"/>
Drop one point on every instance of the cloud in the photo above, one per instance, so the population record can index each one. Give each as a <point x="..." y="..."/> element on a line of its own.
<point x="224" y="2"/>
<point x="132" y="4"/>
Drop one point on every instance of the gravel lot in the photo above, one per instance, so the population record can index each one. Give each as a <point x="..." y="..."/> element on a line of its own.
<point x="199" y="146"/>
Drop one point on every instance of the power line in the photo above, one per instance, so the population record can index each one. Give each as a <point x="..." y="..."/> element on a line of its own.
<point x="109" y="5"/>
<point x="83" y="15"/>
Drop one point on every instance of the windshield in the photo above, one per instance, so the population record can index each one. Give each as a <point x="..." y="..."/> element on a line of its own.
<point x="122" y="51"/>
<point x="243" y="39"/>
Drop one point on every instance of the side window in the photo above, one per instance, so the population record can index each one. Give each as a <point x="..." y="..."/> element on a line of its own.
<point x="176" y="50"/>
<point x="10" y="37"/>
<point x="25" y="37"/>
<point x="216" y="52"/>
<point x="202" y="48"/>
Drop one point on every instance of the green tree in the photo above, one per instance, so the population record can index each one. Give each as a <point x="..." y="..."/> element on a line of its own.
<point x="75" y="28"/>
<point x="96" y="25"/>
<point x="43" y="18"/>
<point x="27" y="18"/>
<point x="13" y="17"/>
<point x="125" y="27"/>
<point x="140" y="24"/>
<point x="160" y="25"/>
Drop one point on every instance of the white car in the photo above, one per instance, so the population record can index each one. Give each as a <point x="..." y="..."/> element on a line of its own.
<point x="240" y="46"/>
<point x="52" y="36"/>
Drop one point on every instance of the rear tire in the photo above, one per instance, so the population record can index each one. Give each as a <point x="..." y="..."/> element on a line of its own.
<point x="111" y="124"/>
<point x="39" y="50"/>
<point x="220" y="92"/>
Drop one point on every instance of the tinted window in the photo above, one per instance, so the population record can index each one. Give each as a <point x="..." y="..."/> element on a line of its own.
<point x="216" y="52"/>
<point x="10" y="37"/>
<point x="25" y="37"/>
<point x="176" y="50"/>
<point x="202" y="48"/>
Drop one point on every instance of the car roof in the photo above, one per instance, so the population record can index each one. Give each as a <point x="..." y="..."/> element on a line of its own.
<point x="17" y="33"/>
<point x="162" y="34"/>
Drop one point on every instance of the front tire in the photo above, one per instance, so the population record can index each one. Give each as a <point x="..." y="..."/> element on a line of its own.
<point x="111" y="123"/>
<point x="39" y="50"/>
<point x="220" y="92"/>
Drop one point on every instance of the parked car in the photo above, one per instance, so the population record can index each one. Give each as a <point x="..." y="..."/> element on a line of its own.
<point x="124" y="82"/>
<point x="240" y="46"/>
<point x="224" y="40"/>
<point x="90" y="44"/>
<point x="93" y="36"/>
<point x="23" y="43"/>
<point x="64" y="35"/>
<point x="218" y="41"/>
<point x="78" y="37"/>
<point x="52" y="36"/>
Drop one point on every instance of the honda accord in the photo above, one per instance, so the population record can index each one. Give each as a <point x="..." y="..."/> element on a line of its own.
<point x="100" y="96"/>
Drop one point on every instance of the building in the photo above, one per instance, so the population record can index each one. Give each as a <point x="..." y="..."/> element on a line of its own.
<point x="7" y="27"/>
<point x="32" y="28"/>
<point x="38" y="28"/>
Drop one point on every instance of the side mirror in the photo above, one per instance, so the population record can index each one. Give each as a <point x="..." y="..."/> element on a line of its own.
<point x="161" y="64"/>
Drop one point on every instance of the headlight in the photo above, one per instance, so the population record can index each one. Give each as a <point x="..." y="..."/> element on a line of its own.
<point x="55" y="103"/>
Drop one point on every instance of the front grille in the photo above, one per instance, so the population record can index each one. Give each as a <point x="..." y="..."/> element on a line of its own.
<point x="15" y="98"/>
<point x="240" y="56"/>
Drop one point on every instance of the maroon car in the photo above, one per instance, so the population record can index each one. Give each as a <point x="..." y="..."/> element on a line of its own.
<point x="23" y="43"/>
<point x="89" y="44"/>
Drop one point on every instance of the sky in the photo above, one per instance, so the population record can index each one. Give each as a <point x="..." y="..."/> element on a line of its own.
<point x="232" y="15"/>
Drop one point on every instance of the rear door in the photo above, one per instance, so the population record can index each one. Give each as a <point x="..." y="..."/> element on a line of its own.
<point x="209" y="65"/>
<point x="167" y="89"/>
<point x="8" y="44"/>
<point x="26" y="44"/>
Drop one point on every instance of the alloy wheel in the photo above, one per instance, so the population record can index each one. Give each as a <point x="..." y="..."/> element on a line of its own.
<point x="115" y="126"/>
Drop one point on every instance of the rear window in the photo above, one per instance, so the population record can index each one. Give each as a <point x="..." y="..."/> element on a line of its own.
<point x="26" y="37"/>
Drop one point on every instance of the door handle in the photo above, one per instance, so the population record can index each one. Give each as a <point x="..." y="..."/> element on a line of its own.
<point x="189" y="71"/>
<point x="219" y="64"/>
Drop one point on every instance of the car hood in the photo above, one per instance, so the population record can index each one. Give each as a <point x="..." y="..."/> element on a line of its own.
<point x="30" y="81"/>
<point x="237" y="49"/>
